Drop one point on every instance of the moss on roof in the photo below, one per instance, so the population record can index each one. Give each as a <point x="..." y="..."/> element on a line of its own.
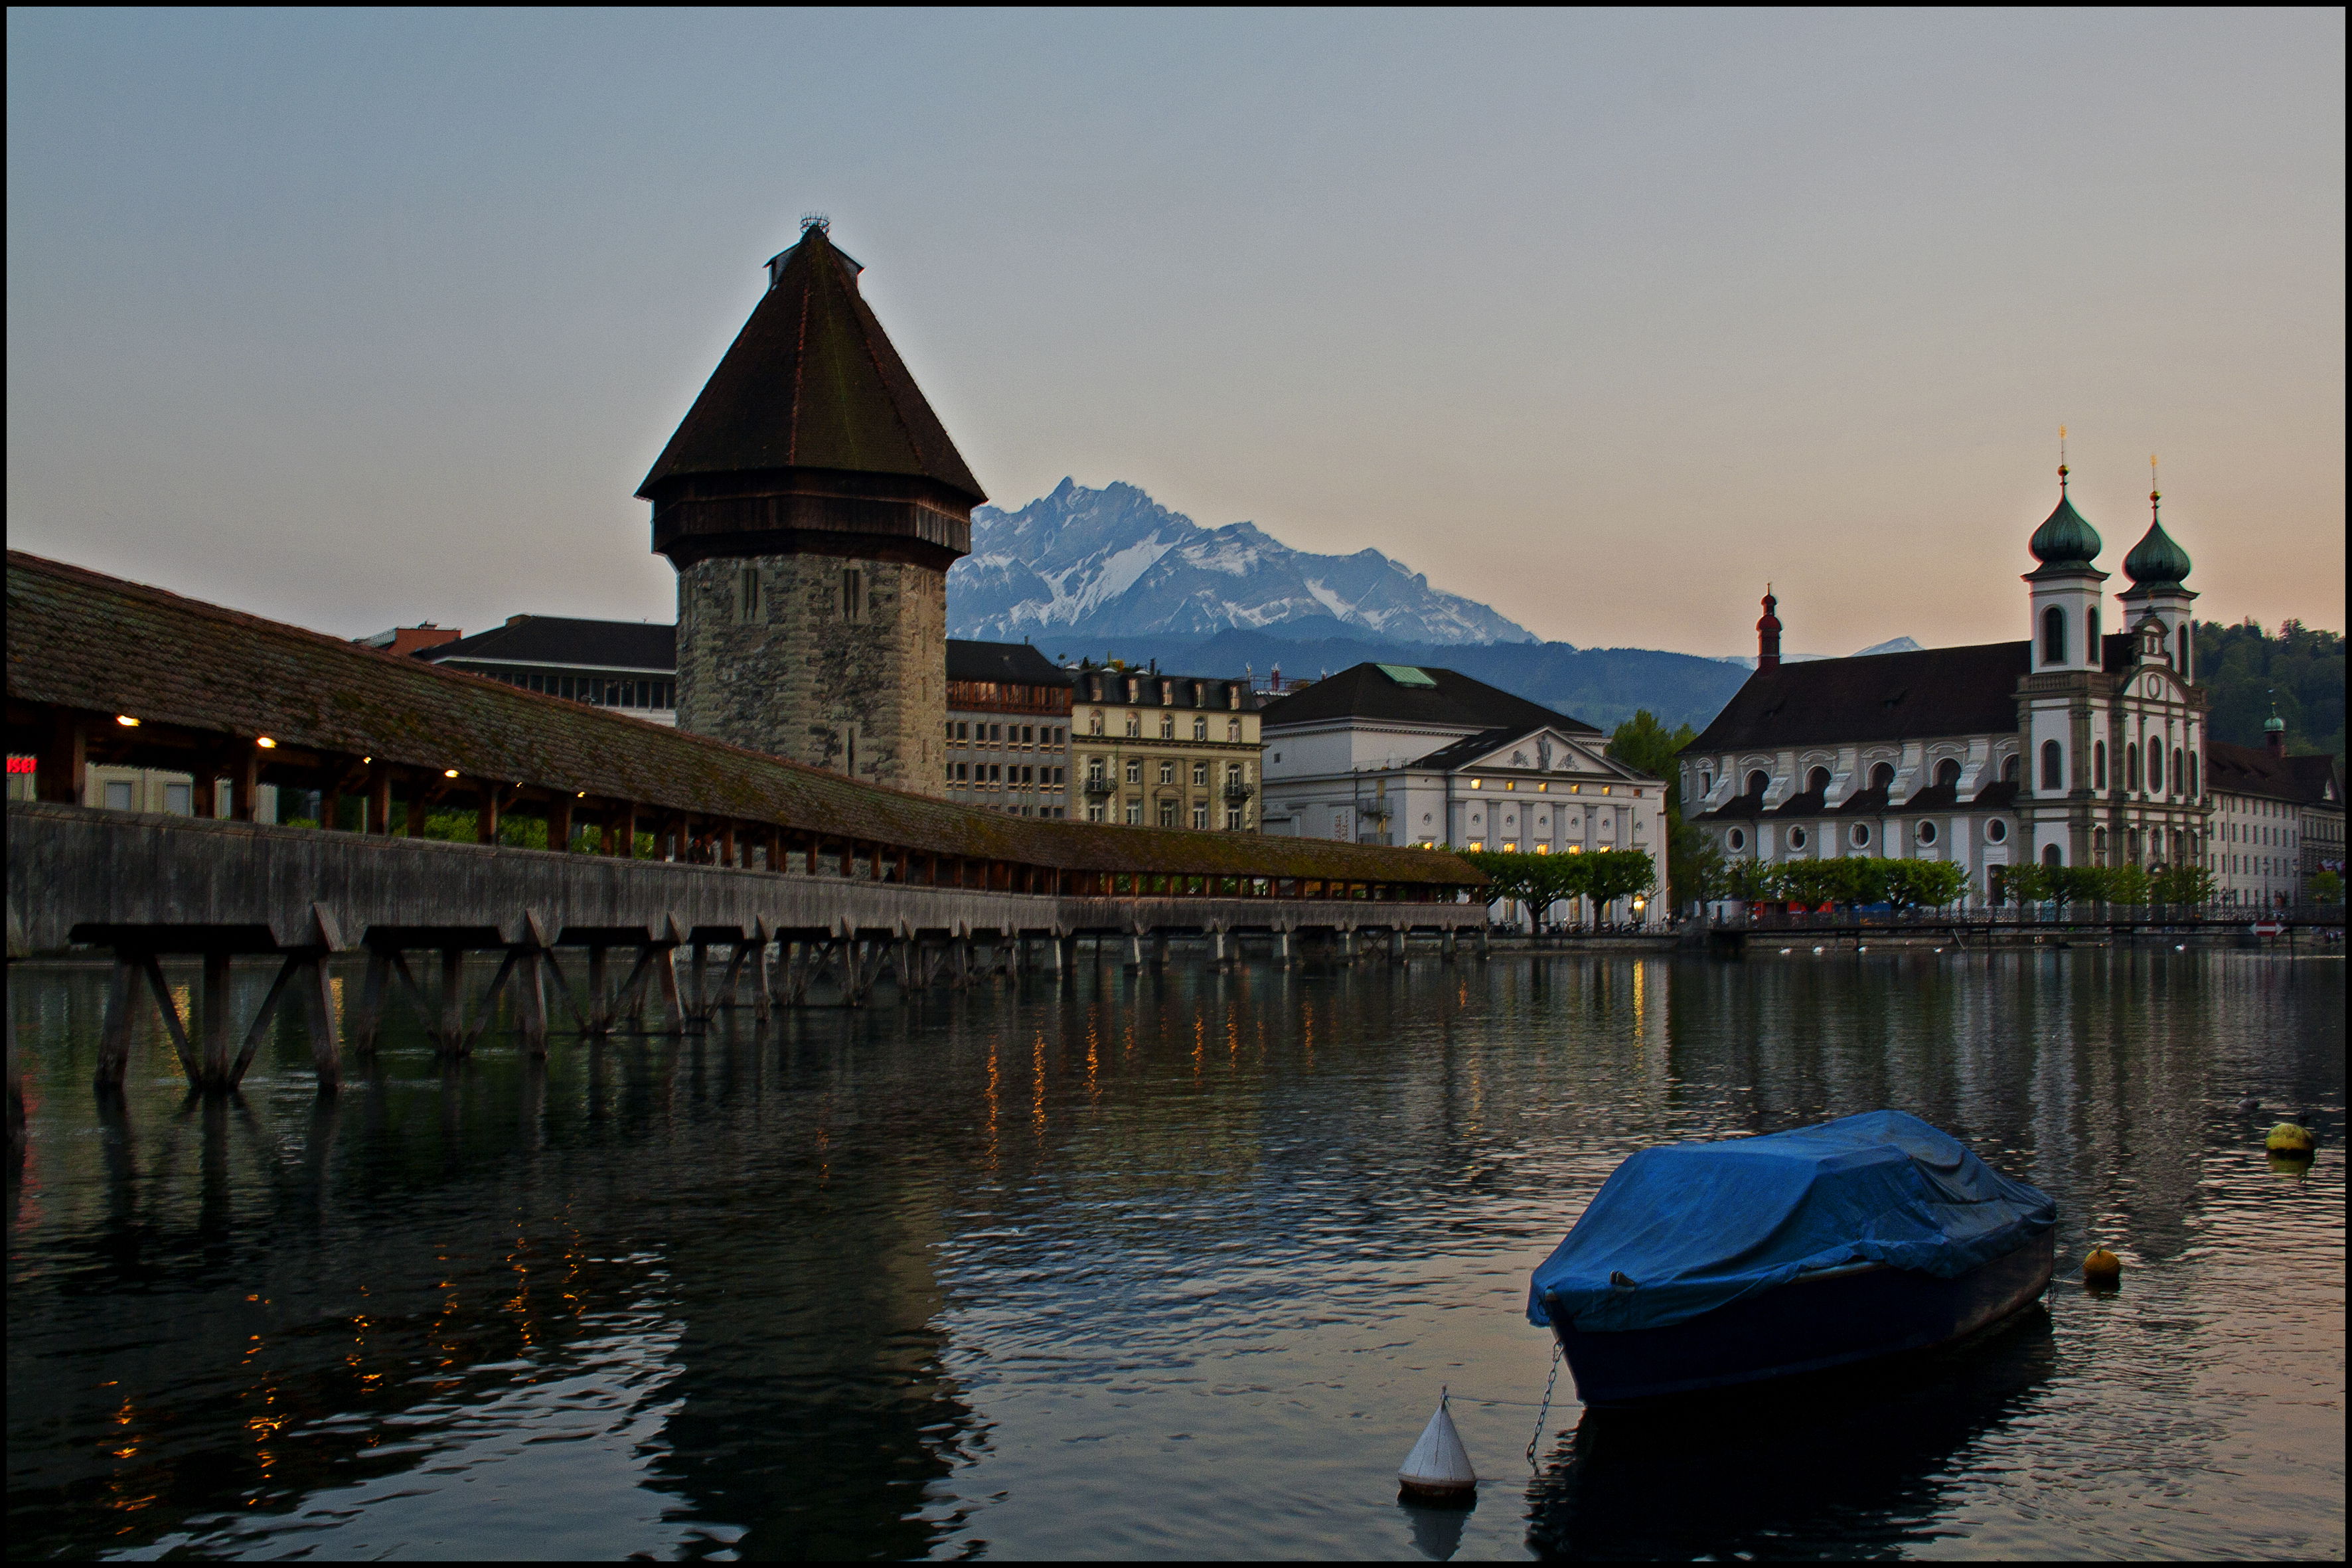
<point x="83" y="640"/>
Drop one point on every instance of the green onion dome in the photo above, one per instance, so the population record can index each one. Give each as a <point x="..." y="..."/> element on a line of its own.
<point x="2275" y="725"/>
<point x="2065" y="539"/>
<point x="2155" y="561"/>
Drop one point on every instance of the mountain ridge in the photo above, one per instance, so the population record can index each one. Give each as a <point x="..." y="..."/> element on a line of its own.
<point x="1086" y="562"/>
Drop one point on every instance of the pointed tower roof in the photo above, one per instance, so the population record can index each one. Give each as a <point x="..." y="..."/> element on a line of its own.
<point x="811" y="382"/>
<point x="2156" y="564"/>
<point x="2064" y="539"/>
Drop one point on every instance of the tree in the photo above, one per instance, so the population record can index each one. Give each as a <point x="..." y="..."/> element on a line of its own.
<point x="2126" y="885"/>
<point x="1815" y="882"/>
<point x="1751" y="881"/>
<point x="2326" y="888"/>
<point x="2181" y="885"/>
<point x="1615" y="874"/>
<point x="1924" y="884"/>
<point x="1646" y="745"/>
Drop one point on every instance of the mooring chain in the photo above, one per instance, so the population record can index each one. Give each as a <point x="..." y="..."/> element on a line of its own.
<point x="1545" y="1414"/>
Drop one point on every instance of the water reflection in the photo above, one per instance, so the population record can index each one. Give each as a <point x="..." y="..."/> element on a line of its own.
<point x="1855" y="1465"/>
<point x="1155" y="1263"/>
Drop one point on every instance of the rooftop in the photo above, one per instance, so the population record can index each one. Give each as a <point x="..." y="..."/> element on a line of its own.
<point x="562" y="639"/>
<point x="1439" y="696"/>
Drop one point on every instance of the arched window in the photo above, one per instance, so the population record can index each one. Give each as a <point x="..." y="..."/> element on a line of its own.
<point x="2131" y="764"/>
<point x="2050" y="856"/>
<point x="2155" y="768"/>
<point x="2009" y="769"/>
<point x="1758" y="782"/>
<point x="2054" y="636"/>
<point x="2182" y="663"/>
<point x="2053" y="766"/>
<point x="1817" y="782"/>
<point x="2091" y="620"/>
<point x="1706" y="783"/>
<point x="2192" y="775"/>
<point x="1947" y="771"/>
<point x="1882" y="777"/>
<point x="2099" y="764"/>
<point x="2176" y="780"/>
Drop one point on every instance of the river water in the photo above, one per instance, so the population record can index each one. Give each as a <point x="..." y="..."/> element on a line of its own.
<point x="1158" y="1264"/>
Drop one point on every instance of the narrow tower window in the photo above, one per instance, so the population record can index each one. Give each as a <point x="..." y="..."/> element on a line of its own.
<point x="747" y="597"/>
<point x="853" y="593"/>
<point x="2131" y="764"/>
<point x="2090" y="621"/>
<point x="2053" y="766"/>
<point x="2054" y="636"/>
<point x="2099" y="765"/>
<point x="2155" y="768"/>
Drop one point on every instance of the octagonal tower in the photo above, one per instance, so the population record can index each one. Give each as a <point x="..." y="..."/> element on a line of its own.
<point x="812" y="504"/>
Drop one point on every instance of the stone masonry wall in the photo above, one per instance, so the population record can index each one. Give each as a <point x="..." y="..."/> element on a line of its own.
<point x="800" y="677"/>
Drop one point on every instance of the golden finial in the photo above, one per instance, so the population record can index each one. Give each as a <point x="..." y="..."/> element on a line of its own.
<point x="2153" y="494"/>
<point x="2062" y="459"/>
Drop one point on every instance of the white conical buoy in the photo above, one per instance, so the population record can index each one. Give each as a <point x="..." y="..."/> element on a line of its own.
<point x="1438" y="1469"/>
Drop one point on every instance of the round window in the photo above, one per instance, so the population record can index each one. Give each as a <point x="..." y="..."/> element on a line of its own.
<point x="1736" y="839"/>
<point x="1927" y="833"/>
<point x="1996" y="830"/>
<point x="1796" y="839"/>
<point x="1861" y="834"/>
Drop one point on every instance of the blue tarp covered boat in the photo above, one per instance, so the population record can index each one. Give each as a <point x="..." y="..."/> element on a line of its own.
<point x="1706" y="1265"/>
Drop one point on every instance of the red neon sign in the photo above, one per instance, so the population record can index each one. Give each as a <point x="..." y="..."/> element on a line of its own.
<point x="20" y="764"/>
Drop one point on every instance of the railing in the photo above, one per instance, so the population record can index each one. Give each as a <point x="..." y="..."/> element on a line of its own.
<point x="2043" y="915"/>
<point x="1239" y="790"/>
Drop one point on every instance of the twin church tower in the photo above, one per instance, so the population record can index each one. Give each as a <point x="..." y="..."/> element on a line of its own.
<point x="812" y="504"/>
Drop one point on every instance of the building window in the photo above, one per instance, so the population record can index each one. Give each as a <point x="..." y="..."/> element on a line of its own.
<point x="1736" y="839"/>
<point x="1094" y="813"/>
<point x="1758" y="782"/>
<point x="2054" y="636"/>
<point x="180" y="799"/>
<point x="2090" y="621"/>
<point x="853" y="593"/>
<point x="1234" y="819"/>
<point x="1200" y="813"/>
<point x="1817" y="782"/>
<point x="1797" y="839"/>
<point x="1168" y="726"/>
<point x="118" y="795"/>
<point x="1200" y="775"/>
<point x="1947" y="773"/>
<point x="1339" y="826"/>
<point x="1094" y="770"/>
<point x="1233" y="729"/>
<point x="1882" y="776"/>
<point x="2053" y="766"/>
<point x="747" y="597"/>
<point x="2051" y="857"/>
<point x="2099" y="765"/>
<point x="2192" y="775"/>
<point x="2131" y="764"/>
<point x="1199" y="729"/>
<point x="1996" y="831"/>
<point x="1135" y="724"/>
<point x="2176" y="770"/>
<point x="1135" y="813"/>
<point x="1168" y="772"/>
<point x="1859" y="835"/>
<point x="1927" y="833"/>
<point x="1135" y="770"/>
<point x="2155" y="768"/>
<point x="1167" y="813"/>
<point x="1706" y="783"/>
<point x="1094" y="723"/>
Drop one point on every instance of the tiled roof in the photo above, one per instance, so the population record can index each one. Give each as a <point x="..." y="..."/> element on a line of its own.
<point x="1365" y="691"/>
<point x="2252" y="770"/>
<point x="811" y="382"/>
<point x="1017" y="662"/>
<point x="78" y="639"/>
<point x="1471" y="749"/>
<point x="561" y="639"/>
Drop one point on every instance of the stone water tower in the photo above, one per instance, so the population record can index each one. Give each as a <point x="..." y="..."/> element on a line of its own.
<point x="812" y="504"/>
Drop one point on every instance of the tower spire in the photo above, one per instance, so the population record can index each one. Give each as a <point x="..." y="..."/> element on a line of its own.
<point x="2062" y="461"/>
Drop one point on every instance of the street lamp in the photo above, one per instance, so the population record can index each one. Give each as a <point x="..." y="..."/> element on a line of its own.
<point x="1638" y="905"/>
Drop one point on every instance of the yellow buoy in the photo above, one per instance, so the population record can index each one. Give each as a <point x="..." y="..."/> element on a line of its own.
<point x="2286" y="1138"/>
<point x="2101" y="1268"/>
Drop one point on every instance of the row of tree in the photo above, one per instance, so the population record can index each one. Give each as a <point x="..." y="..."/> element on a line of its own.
<point x="1849" y="879"/>
<point x="1541" y="881"/>
<point x="2063" y="885"/>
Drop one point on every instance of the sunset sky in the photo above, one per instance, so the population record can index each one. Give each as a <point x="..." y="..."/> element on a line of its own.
<point x="1602" y="318"/>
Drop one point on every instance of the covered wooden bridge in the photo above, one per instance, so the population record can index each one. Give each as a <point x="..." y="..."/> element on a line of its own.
<point x="758" y="858"/>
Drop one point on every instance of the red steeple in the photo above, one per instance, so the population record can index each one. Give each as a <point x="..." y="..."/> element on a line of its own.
<point x="1768" y="634"/>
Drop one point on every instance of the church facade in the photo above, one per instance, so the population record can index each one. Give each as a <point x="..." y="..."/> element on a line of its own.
<point x="2077" y="746"/>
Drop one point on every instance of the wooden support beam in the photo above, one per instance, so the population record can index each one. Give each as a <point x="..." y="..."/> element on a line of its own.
<point x="121" y="1017"/>
<point x="61" y="766"/>
<point x="486" y="811"/>
<point x="173" y="1026"/>
<point x="626" y="827"/>
<point x="420" y="802"/>
<point x="287" y="973"/>
<point x="370" y="1020"/>
<point x="243" y="782"/>
<point x="318" y="989"/>
<point x="450" y="1035"/>
<point x="379" y="801"/>
<point x="559" y="825"/>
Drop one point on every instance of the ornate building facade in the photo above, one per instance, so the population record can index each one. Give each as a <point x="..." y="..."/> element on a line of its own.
<point x="2075" y="747"/>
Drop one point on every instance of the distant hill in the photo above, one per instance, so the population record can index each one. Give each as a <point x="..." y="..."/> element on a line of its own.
<point x="1095" y="563"/>
<point x="2247" y="670"/>
<point x="1600" y="686"/>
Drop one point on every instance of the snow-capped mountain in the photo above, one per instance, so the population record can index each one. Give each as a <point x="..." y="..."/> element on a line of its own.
<point x="1113" y="561"/>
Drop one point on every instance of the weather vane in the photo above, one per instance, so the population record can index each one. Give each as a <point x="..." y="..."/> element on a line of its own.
<point x="2061" y="457"/>
<point x="816" y="221"/>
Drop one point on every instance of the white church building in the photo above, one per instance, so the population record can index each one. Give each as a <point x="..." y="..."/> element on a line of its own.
<point x="2075" y="747"/>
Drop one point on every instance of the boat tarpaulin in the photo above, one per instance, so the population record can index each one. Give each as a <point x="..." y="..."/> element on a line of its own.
<point x="1682" y="1229"/>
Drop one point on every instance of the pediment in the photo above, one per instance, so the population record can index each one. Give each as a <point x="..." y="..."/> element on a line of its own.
<point x="1547" y="752"/>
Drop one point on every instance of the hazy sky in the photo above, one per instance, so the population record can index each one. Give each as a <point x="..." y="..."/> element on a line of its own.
<point x="1602" y="317"/>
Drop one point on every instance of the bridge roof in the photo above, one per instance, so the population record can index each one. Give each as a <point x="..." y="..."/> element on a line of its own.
<point x="80" y="640"/>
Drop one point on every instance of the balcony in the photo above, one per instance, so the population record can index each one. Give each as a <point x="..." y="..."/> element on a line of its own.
<point x="1237" y="791"/>
<point x="1098" y="786"/>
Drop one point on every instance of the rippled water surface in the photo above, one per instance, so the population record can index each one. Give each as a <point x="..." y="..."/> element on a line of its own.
<point x="1159" y="1265"/>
